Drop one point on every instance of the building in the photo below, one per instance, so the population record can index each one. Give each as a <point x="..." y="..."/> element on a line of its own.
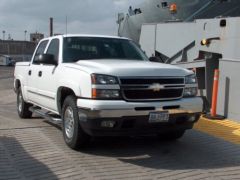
<point x="36" y="37"/>
<point x="17" y="50"/>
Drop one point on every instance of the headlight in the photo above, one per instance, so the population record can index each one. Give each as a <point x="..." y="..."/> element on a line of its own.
<point x="191" y="79"/>
<point x="105" y="87"/>
<point x="103" y="79"/>
<point x="191" y="88"/>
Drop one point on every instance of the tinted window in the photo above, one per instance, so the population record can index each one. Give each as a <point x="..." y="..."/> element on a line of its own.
<point x="86" y="48"/>
<point x="54" y="49"/>
<point x="40" y="49"/>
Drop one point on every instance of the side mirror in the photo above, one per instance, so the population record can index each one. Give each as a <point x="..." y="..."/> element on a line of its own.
<point x="153" y="59"/>
<point x="46" y="59"/>
<point x="156" y="59"/>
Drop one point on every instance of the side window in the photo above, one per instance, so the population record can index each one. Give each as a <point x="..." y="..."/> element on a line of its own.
<point x="54" y="49"/>
<point x="40" y="50"/>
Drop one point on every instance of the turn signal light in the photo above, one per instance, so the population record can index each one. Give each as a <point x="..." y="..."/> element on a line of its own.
<point x="94" y="93"/>
<point x="173" y="8"/>
<point x="105" y="94"/>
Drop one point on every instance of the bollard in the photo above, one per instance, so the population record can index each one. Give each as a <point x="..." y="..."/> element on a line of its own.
<point x="213" y="114"/>
<point x="215" y="93"/>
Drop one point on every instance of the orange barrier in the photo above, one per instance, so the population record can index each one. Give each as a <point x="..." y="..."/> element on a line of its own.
<point x="215" y="93"/>
<point x="213" y="114"/>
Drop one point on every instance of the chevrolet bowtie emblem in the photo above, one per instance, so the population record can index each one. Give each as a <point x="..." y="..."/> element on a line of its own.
<point x="156" y="87"/>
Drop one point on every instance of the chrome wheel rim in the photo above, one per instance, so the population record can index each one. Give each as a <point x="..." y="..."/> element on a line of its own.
<point x="20" y="100"/>
<point x="69" y="122"/>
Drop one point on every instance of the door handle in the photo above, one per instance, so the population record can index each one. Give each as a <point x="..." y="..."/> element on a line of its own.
<point x="40" y="73"/>
<point x="29" y="72"/>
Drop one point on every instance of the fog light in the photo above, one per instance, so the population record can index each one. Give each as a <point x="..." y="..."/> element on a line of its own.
<point x="108" y="124"/>
<point x="82" y="116"/>
<point x="190" y="92"/>
<point x="192" y="119"/>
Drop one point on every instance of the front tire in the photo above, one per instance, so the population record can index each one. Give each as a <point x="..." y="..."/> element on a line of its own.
<point x="22" y="106"/>
<point x="73" y="134"/>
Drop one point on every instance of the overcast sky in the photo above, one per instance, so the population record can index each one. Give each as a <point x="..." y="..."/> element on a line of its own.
<point x="84" y="16"/>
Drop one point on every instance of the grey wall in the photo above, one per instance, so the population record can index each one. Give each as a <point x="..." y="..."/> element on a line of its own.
<point x="229" y="89"/>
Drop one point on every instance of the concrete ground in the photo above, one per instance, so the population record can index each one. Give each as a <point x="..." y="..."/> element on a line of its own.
<point x="34" y="149"/>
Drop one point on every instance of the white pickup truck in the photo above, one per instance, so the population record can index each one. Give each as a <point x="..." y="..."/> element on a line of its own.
<point x="105" y="86"/>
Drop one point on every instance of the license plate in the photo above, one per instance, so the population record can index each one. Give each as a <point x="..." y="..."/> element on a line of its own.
<point x="156" y="117"/>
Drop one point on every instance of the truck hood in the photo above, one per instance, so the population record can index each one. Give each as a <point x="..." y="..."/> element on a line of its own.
<point x="122" y="68"/>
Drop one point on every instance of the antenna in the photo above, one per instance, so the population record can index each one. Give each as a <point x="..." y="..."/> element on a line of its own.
<point x="66" y="24"/>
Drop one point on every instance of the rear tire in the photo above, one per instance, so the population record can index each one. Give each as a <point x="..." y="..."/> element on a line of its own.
<point x="22" y="106"/>
<point x="73" y="134"/>
<point x="171" y="136"/>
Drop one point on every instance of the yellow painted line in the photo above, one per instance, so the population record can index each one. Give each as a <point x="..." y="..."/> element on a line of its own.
<point x="225" y="129"/>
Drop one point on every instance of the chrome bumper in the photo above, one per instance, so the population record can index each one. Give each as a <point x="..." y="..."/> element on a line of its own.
<point x="113" y="109"/>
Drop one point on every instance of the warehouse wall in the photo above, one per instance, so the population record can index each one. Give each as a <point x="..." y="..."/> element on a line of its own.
<point x="18" y="50"/>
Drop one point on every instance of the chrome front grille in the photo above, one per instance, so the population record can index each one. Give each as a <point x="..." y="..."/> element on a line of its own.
<point x="152" y="88"/>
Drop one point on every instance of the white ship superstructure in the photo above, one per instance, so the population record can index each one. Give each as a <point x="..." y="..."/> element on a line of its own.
<point x="156" y="11"/>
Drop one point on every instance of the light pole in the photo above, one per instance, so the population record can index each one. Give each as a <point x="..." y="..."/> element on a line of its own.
<point x="25" y="35"/>
<point x="3" y="34"/>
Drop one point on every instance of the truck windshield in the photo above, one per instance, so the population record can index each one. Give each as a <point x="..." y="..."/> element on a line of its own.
<point x="87" y="48"/>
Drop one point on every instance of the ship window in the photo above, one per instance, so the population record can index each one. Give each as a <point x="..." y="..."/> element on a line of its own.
<point x="164" y="4"/>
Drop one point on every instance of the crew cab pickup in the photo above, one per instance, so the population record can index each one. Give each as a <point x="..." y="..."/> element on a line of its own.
<point x="105" y="86"/>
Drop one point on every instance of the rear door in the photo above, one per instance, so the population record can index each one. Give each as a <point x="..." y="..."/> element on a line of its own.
<point x="33" y="74"/>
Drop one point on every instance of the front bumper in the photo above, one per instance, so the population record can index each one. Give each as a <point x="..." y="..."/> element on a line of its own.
<point x="131" y="118"/>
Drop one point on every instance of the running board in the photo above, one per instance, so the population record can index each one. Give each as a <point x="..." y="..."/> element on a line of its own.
<point x="51" y="118"/>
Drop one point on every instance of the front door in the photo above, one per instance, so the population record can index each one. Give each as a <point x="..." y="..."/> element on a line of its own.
<point x="47" y="86"/>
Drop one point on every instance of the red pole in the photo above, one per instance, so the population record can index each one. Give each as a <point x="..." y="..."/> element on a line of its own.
<point x="215" y="93"/>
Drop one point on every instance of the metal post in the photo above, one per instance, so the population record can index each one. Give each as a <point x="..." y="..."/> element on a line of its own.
<point x="25" y="34"/>
<point x="51" y="27"/>
<point x="3" y="34"/>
